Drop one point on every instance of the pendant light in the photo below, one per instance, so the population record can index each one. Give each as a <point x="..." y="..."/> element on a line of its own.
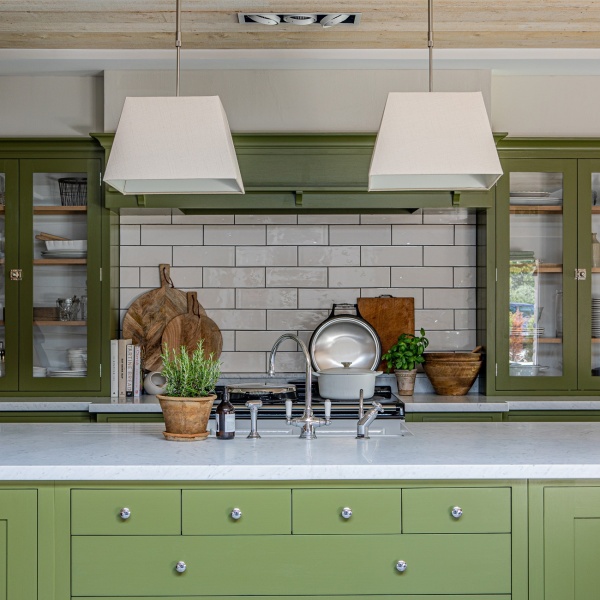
<point x="434" y="140"/>
<point x="174" y="145"/>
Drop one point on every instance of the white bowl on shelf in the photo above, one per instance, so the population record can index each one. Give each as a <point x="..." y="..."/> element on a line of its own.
<point x="54" y="245"/>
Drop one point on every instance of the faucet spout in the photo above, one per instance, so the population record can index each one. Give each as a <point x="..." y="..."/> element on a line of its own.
<point x="307" y="421"/>
<point x="362" y="427"/>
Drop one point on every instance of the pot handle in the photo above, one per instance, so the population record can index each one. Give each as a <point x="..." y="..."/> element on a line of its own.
<point x="345" y="305"/>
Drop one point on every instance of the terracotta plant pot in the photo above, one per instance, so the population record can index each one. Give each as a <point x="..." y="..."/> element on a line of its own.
<point x="186" y="419"/>
<point x="406" y="381"/>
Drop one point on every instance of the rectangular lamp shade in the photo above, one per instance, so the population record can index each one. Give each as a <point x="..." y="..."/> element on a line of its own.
<point x="434" y="141"/>
<point x="174" y="145"/>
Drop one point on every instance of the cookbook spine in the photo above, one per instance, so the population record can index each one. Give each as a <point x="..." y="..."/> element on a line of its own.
<point x="129" y="371"/>
<point x="137" y="370"/>
<point x="114" y="369"/>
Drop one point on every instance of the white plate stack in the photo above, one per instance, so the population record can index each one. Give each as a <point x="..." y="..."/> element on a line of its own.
<point x="40" y="372"/>
<point x="596" y="317"/>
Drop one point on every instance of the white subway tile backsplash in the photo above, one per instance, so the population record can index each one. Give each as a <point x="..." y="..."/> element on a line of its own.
<point x="464" y="277"/>
<point x="328" y="219"/>
<point x="265" y="219"/>
<point x="138" y="216"/>
<point x="235" y="235"/>
<point x="172" y="235"/>
<point x="297" y="235"/>
<point x="182" y="277"/>
<point x="422" y="235"/>
<point x="261" y="275"/>
<point x="331" y="256"/>
<point x="299" y="277"/>
<point x="291" y="320"/>
<point x="144" y="256"/>
<point x="204" y="256"/>
<point x="359" y="277"/>
<point x="237" y="277"/>
<point x="363" y="235"/>
<point x="130" y="235"/>
<point x="266" y="256"/>
<point x="449" y="298"/>
<point x="391" y="255"/>
<point x="250" y="341"/>
<point x="422" y="277"/>
<point x="267" y="298"/>
<point x="243" y="362"/>
<point x="408" y="218"/>
<point x="179" y="219"/>
<point x="325" y="298"/>
<point x="238" y="319"/>
<point x="455" y="256"/>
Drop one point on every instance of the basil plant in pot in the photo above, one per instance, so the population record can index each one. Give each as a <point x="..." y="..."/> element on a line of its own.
<point x="403" y="357"/>
<point x="189" y="392"/>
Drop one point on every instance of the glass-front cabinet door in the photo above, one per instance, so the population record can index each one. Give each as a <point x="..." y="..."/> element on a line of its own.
<point x="60" y="239"/>
<point x="536" y="326"/>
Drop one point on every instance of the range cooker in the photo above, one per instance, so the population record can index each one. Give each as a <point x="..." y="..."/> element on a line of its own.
<point x="273" y="402"/>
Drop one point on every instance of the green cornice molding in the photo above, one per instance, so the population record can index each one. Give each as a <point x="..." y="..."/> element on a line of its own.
<point x="11" y="147"/>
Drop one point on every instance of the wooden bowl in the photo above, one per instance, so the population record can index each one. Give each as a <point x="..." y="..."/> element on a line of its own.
<point x="452" y="378"/>
<point x="452" y="356"/>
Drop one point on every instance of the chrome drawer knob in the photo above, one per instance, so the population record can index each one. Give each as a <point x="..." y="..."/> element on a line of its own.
<point x="457" y="512"/>
<point x="346" y="512"/>
<point x="180" y="567"/>
<point x="236" y="514"/>
<point x="401" y="566"/>
<point x="125" y="513"/>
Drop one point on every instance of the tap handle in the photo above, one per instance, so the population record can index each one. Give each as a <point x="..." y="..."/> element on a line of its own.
<point x="378" y="406"/>
<point x="254" y="405"/>
<point x="361" y="405"/>
<point x="288" y="410"/>
<point x="327" y="404"/>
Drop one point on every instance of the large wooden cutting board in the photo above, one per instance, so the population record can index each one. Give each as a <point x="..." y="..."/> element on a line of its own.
<point x="390" y="317"/>
<point x="188" y="329"/>
<point x="149" y="314"/>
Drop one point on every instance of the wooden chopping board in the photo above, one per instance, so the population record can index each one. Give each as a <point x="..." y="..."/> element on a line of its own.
<point x="188" y="329"/>
<point x="390" y="317"/>
<point x="149" y="314"/>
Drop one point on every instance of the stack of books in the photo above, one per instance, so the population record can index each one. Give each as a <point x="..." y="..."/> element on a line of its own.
<point x="125" y="370"/>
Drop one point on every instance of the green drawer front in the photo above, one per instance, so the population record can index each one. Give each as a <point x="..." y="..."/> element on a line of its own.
<point x="485" y="510"/>
<point x="320" y="511"/>
<point x="411" y="597"/>
<point x="208" y="512"/>
<point x="278" y="565"/>
<point x="153" y="512"/>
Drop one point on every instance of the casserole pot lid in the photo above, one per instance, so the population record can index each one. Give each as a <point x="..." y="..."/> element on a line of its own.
<point x="348" y="370"/>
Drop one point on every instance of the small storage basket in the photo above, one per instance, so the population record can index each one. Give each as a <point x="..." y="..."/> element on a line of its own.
<point x="73" y="191"/>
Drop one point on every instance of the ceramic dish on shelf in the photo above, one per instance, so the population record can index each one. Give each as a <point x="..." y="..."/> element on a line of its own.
<point x="79" y="245"/>
<point x="64" y="253"/>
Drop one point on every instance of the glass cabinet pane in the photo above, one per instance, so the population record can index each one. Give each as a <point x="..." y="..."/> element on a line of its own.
<point x="536" y="275"/>
<point x="595" y="261"/>
<point x="2" y="276"/>
<point x="59" y="240"/>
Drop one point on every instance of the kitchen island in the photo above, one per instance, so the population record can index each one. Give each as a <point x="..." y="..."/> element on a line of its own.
<point x="435" y="510"/>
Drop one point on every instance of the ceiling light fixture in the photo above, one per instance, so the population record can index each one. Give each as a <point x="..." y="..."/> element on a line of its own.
<point x="266" y="19"/>
<point x="434" y="140"/>
<point x="174" y="145"/>
<point x="333" y="19"/>
<point x="300" y="19"/>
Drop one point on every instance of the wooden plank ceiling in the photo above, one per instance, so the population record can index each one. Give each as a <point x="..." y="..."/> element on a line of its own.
<point x="213" y="24"/>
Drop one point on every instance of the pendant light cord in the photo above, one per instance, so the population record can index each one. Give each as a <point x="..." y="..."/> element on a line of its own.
<point x="429" y="41"/>
<point x="178" y="44"/>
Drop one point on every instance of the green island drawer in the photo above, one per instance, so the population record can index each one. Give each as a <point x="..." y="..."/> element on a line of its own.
<point x="411" y="597"/>
<point x="211" y="512"/>
<point x="320" y="511"/>
<point x="152" y="512"/>
<point x="277" y="565"/>
<point x="429" y="510"/>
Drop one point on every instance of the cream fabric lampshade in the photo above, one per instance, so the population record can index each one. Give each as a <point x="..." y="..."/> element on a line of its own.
<point x="434" y="141"/>
<point x="173" y="145"/>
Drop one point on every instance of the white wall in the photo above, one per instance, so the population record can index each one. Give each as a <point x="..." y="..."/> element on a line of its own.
<point x="52" y="105"/>
<point x="294" y="100"/>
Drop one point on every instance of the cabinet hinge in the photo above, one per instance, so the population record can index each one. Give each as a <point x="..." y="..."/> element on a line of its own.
<point x="100" y="273"/>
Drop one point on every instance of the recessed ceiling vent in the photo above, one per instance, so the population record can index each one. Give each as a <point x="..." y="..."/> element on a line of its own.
<point x="323" y="19"/>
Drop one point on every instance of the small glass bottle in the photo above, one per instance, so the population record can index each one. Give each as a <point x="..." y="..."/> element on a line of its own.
<point x="225" y="417"/>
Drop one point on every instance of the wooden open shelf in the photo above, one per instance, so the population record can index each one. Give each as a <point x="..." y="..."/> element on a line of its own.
<point x="60" y="323"/>
<point x="535" y="210"/>
<point x="549" y="268"/>
<point x="60" y="261"/>
<point x="549" y="340"/>
<point x="59" y="210"/>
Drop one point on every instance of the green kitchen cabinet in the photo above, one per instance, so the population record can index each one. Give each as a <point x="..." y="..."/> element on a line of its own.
<point x="530" y="416"/>
<point x="453" y="417"/>
<point x="542" y="282"/>
<point x="564" y="541"/>
<point x="44" y="417"/>
<point x="56" y="319"/>
<point x="18" y="544"/>
<point x="129" y="417"/>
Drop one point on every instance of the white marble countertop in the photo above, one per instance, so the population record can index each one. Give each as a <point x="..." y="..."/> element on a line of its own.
<point x="445" y="451"/>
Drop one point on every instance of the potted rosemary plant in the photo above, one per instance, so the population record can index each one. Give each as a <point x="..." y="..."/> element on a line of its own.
<point x="403" y="357"/>
<point x="189" y="392"/>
